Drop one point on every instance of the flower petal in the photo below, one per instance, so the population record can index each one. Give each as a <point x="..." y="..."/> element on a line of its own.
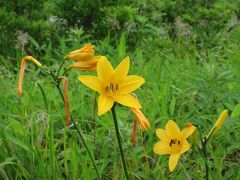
<point x="85" y="65"/>
<point x="173" y="160"/>
<point x="188" y="130"/>
<point x="144" y="123"/>
<point x="185" y="146"/>
<point x="91" y="81"/>
<point x="128" y="100"/>
<point x="105" y="103"/>
<point x="122" y="69"/>
<point x="161" y="148"/>
<point x="161" y="134"/>
<point x="172" y="129"/>
<point x="130" y="83"/>
<point x="217" y="126"/>
<point x="104" y="69"/>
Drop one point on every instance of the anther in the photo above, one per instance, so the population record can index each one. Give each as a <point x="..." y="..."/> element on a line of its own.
<point x="106" y="89"/>
<point x="112" y="87"/>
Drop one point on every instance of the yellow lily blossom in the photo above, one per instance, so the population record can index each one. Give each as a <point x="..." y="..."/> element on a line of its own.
<point x="173" y="142"/>
<point x="217" y="126"/>
<point x="113" y="85"/>
<point x="81" y="54"/>
<point x="22" y="70"/>
<point x="87" y="65"/>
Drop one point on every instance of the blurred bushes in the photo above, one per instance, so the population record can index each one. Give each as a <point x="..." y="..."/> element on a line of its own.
<point x="145" y="23"/>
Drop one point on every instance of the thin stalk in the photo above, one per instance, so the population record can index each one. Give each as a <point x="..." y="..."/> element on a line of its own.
<point x="44" y="96"/>
<point x="119" y="142"/>
<point x="80" y="135"/>
<point x="94" y="117"/>
<point x="60" y="67"/>
<point x="205" y="158"/>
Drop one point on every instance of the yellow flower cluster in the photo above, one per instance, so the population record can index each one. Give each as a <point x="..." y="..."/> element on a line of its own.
<point x="116" y="86"/>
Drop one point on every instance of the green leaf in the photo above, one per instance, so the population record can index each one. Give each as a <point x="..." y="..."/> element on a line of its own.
<point x="236" y="112"/>
<point x="122" y="47"/>
<point x="172" y="106"/>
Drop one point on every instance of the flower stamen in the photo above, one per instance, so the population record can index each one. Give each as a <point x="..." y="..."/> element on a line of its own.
<point x="111" y="89"/>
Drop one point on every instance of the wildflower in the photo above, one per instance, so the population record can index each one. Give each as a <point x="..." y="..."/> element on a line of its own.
<point x="173" y="142"/>
<point x="217" y="126"/>
<point x="22" y="69"/>
<point x="81" y="54"/>
<point x="87" y="65"/>
<point x="113" y="85"/>
<point x="66" y="102"/>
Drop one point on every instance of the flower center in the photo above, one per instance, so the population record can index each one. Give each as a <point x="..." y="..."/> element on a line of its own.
<point x="111" y="89"/>
<point x="175" y="145"/>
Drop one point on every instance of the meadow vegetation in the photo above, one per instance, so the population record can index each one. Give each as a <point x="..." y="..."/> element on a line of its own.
<point x="187" y="51"/>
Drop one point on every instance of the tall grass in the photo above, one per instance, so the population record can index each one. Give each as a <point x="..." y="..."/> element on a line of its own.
<point x="182" y="85"/>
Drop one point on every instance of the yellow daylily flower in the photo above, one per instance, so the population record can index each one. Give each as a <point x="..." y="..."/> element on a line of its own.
<point x="87" y="65"/>
<point x="217" y="126"/>
<point x="81" y="54"/>
<point x="173" y="142"/>
<point x="22" y="70"/>
<point x="113" y="85"/>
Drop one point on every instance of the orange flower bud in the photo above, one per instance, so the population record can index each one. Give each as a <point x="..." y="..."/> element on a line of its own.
<point x="66" y="102"/>
<point x="22" y="70"/>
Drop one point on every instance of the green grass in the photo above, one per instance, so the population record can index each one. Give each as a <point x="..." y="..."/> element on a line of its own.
<point x="185" y="86"/>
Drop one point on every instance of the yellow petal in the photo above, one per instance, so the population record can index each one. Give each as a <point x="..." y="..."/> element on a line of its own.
<point x="173" y="160"/>
<point x="121" y="70"/>
<point x="188" y="130"/>
<point x="144" y="123"/>
<point x="105" y="103"/>
<point x="78" y="57"/>
<point x="217" y="126"/>
<point x="172" y="129"/>
<point x="185" y="146"/>
<point x="128" y="100"/>
<point x="88" y="48"/>
<point x="92" y="82"/>
<point x="104" y="69"/>
<point x="130" y="83"/>
<point x="161" y="148"/>
<point x="88" y="65"/>
<point x="81" y="54"/>
<point x="161" y="134"/>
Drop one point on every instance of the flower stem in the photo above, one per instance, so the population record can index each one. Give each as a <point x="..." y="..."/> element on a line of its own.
<point x="204" y="148"/>
<point x="119" y="142"/>
<point x="44" y="96"/>
<point x="81" y="136"/>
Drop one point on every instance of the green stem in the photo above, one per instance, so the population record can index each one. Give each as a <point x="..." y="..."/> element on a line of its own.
<point x="94" y="117"/>
<point x="44" y="96"/>
<point x="60" y="67"/>
<point x="81" y="136"/>
<point x="119" y="142"/>
<point x="204" y="146"/>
